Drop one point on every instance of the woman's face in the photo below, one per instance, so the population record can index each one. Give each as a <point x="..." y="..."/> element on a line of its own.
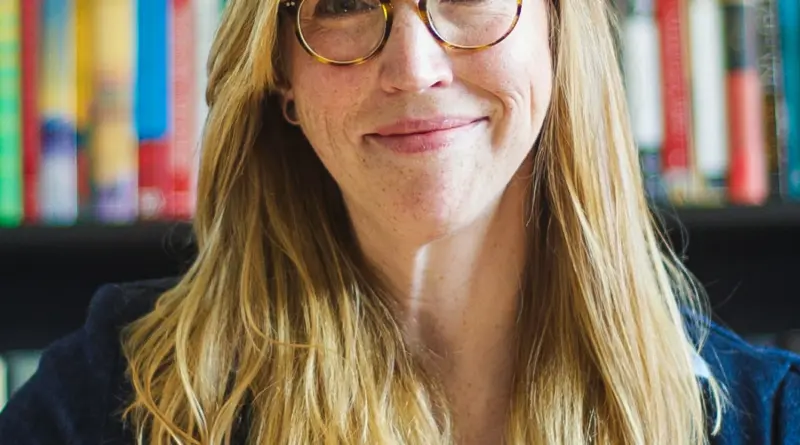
<point x="367" y="122"/>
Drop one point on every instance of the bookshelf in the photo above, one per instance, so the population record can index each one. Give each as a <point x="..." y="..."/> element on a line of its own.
<point x="747" y="257"/>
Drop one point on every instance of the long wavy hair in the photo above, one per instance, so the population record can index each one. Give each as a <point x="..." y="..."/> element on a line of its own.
<point x="281" y="333"/>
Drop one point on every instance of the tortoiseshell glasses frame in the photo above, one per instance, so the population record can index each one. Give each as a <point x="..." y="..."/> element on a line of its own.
<point x="293" y="7"/>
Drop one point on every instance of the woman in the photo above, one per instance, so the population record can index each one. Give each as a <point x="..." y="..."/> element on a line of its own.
<point x="415" y="226"/>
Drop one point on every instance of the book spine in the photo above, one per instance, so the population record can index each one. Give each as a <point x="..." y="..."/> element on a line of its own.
<point x="747" y="182"/>
<point x="22" y="365"/>
<point x="152" y="117"/>
<point x="183" y="109"/>
<point x="114" y="147"/>
<point x="11" y="211"/>
<point x="675" y="158"/>
<point x="31" y="137"/>
<point x="84" y="116"/>
<point x="774" y="102"/>
<point x="789" y="24"/>
<point x="3" y="383"/>
<point x="58" y="179"/>
<point x="639" y="40"/>
<point x="710" y="124"/>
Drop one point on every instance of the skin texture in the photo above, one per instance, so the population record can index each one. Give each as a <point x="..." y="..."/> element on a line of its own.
<point x="446" y="227"/>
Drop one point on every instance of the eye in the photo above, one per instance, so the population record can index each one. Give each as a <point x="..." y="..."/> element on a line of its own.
<point x="338" y="8"/>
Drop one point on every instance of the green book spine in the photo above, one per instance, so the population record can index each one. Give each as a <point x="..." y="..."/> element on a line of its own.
<point x="11" y="211"/>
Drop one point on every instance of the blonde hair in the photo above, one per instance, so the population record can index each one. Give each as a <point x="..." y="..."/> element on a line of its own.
<point x="280" y="330"/>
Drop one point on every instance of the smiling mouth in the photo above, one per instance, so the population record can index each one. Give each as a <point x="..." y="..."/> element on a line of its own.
<point x="423" y="136"/>
<point x="408" y="127"/>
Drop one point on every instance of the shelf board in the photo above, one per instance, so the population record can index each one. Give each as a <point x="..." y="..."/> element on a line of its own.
<point x="96" y="236"/>
<point x="744" y="256"/>
<point x="772" y="216"/>
<point x="169" y="234"/>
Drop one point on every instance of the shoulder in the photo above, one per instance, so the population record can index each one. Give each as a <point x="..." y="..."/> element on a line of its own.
<point x="78" y="387"/>
<point x="762" y="386"/>
<point x="115" y="305"/>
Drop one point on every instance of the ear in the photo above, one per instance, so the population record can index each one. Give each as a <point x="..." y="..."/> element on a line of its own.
<point x="284" y="90"/>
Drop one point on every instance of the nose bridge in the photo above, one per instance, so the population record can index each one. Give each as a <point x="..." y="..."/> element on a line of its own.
<point x="409" y="14"/>
<point x="412" y="59"/>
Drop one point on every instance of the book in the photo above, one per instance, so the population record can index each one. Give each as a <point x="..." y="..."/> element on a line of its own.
<point x="114" y="144"/>
<point x="641" y="67"/>
<point x="58" y="192"/>
<point x="11" y="206"/>
<point x="747" y="176"/>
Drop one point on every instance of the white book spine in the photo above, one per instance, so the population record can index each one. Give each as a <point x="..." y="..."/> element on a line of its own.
<point x="708" y="89"/>
<point x="641" y="64"/>
<point x="642" y="67"/>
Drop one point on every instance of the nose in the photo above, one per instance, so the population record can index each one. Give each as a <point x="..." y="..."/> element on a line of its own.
<point x="412" y="60"/>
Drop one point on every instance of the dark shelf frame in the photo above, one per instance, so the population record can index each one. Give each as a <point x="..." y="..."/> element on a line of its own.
<point x="779" y="215"/>
<point x="747" y="258"/>
<point x="89" y="235"/>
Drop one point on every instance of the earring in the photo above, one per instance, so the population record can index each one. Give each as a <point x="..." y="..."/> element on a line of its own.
<point x="290" y="112"/>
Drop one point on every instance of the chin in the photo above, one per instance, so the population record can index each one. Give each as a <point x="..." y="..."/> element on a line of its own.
<point x="431" y="220"/>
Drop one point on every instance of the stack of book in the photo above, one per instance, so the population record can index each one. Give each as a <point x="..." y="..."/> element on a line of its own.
<point x="714" y="96"/>
<point x="101" y="104"/>
<point x="101" y="108"/>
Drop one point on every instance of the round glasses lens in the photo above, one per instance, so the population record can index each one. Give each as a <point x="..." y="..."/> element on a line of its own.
<point x="472" y="23"/>
<point x="342" y="30"/>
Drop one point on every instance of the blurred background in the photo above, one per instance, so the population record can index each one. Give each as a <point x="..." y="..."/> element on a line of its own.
<point x="102" y="104"/>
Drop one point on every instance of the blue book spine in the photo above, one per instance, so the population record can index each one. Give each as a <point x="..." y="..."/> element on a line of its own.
<point x="152" y="76"/>
<point x="789" y="24"/>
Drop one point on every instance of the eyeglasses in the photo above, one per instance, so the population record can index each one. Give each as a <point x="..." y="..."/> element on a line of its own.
<point x="349" y="32"/>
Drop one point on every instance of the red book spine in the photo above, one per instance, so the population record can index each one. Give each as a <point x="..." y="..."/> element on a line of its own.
<point x="676" y="167"/>
<point x="748" y="181"/>
<point x="31" y="138"/>
<point x="183" y="143"/>
<point x="154" y="178"/>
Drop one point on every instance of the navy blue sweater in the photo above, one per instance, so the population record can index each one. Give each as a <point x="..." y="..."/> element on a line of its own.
<point x="75" y="396"/>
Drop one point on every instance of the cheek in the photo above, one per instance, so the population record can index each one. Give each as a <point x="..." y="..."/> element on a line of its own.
<point x="517" y="74"/>
<point x="327" y="99"/>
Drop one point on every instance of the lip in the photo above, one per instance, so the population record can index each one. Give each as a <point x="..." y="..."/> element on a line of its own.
<point x="411" y="136"/>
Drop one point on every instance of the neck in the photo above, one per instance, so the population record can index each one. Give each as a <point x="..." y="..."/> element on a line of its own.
<point x="459" y="297"/>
